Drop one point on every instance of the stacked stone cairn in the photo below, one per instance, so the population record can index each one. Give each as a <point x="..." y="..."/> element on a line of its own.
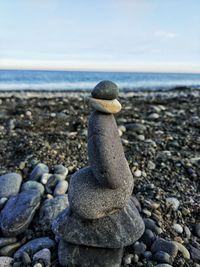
<point x="102" y="218"/>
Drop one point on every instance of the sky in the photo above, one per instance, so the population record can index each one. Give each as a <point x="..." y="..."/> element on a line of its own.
<point x="116" y="35"/>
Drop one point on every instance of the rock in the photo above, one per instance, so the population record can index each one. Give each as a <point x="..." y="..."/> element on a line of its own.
<point x="6" y="261"/>
<point x="105" y="151"/>
<point x="113" y="231"/>
<point x="9" y="250"/>
<point x="139" y="248"/>
<point x="33" y="185"/>
<point x="61" y="188"/>
<point x="26" y="258"/>
<point x="38" y="171"/>
<point x="43" y="254"/>
<point x="195" y="253"/>
<point x="177" y="228"/>
<point x="75" y="255"/>
<point x="50" y="209"/>
<point x="162" y="257"/>
<point x="52" y="182"/>
<point x="173" y="202"/>
<point x="136" y="127"/>
<point x="197" y="229"/>
<point x="4" y="241"/>
<point x="183" y="250"/>
<point x="153" y="116"/>
<point x="35" y="245"/>
<point x="90" y="200"/>
<point x="3" y="201"/>
<point x="18" y="212"/>
<point x="60" y="169"/>
<point x="148" y="237"/>
<point x="137" y="173"/>
<point x="161" y="244"/>
<point x="151" y="224"/>
<point x="105" y="106"/>
<point x="45" y="177"/>
<point x="163" y="265"/>
<point x="128" y="259"/>
<point x="10" y="184"/>
<point x="105" y="90"/>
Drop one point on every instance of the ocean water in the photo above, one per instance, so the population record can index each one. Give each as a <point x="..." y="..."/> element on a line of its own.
<point x="82" y="80"/>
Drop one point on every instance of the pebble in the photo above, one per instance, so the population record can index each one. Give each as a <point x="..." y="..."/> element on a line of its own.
<point x="106" y="106"/>
<point x="33" y="185"/>
<point x="4" y="241"/>
<point x="35" y="245"/>
<point x="128" y="259"/>
<point x="151" y="224"/>
<point x="52" y="182"/>
<point x="10" y="184"/>
<point x="136" y="127"/>
<point x="43" y="254"/>
<point x="173" y="202"/>
<point x="50" y="209"/>
<point x="9" y="250"/>
<point x="162" y="257"/>
<point x="161" y="244"/>
<point x="61" y="188"/>
<point x="154" y="116"/>
<point x="177" y="228"/>
<point x="37" y="265"/>
<point x="195" y="253"/>
<point x="137" y="173"/>
<point x="139" y="248"/>
<point x="105" y="90"/>
<point x="26" y="258"/>
<point x="6" y="261"/>
<point x="163" y="265"/>
<point x="3" y="201"/>
<point x="148" y="237"/>
<point x="18" y="212"/>
<point x="151" y="165"/>
<point x="147" y="255"/>
<point x="38" y="171"/>
<point x="60" y="169"/>
<point x="45" y="177"/>
<point x="197" y="229"/>
<point x="183" y="250"/>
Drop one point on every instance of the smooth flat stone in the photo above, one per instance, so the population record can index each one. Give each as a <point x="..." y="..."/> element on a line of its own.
<point x="74" y="255"/>
<point x="50" y="209"/>
<point x="114" y="231"/>
<point x="38" y="171"/>
<point x="10" y="184"/>
<point x="106" y="154"/>
<point x="91" y="200"/>
<point x="35" y="245"/>
<point x="105" y="90"/>
<point x="33" y="185"/>
<point x="18" y="212"/>
<point x="105" y="106"/>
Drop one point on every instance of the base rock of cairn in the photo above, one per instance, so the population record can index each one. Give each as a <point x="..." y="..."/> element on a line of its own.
<point x="102" y="217"/>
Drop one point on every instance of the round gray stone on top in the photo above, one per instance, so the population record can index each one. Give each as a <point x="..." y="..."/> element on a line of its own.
<point x="105" y="152"/>
<point x="10" y="184"/>
<point x="91" y="200"/>
<point x="117" y="230"/>
<point x="105" y="90"/>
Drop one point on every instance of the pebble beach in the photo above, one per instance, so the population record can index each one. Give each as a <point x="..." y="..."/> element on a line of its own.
<point x="43" y="141"/>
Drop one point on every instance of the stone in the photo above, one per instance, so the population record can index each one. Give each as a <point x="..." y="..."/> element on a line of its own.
<point x="10" y="184"/>
<point x="153" y="116"/>
<point x="151" y="224"/>
<point x="183" y="250"/>
<point x="6" y="261"/>
<point x="60" y="169"/>
<point x="148" y="237"/>
<point x="33" y="185"/>
<point x="34" y="246"/>
<point x="177" y="228"/>
<point x="161" y="244"/>
<point x="91" y="200"/>
<point x="61" y="188"/>
<point x="75" y="255"/>
<point x="197" y="229"/>
<point x="38" y="171"/>
<point x="43" y="254"/>
<point x="162" y="257"/>
<point x="18" y="212"/>
<point x="26" y="258"/>
<point x="52" y="182"/>
<point x="128" y="259"/>
<point x="173" y="202"/>
<point x="106" y="154"/>
<point x="50" y="209"/>
<point x="136" y="127"/>
<point x="45" y="177"/>
<point x="195" y="253"/>
<point x="105" y="90"/>
<point x="9" y="250"/>
<point x="113" y="231"/>
<point x="3" y="201"/>
<point x="4" y="241"/>
<point x="163" y="265"/>
<point x="105" y="106"/>
<point x="139" y="248"/>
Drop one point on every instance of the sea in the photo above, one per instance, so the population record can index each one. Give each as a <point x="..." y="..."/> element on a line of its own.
<point x="16" y="80"/>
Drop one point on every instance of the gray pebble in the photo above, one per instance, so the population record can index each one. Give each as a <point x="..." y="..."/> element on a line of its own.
<point x="162" y="257"/>
<point x="4" y="241"/>
<point x="33" y="185"/>
<point x="43" y="254"/>
<point x="105" y="90"/>
<point x="61" y="188"/>
<point x="197" y="229"/>
<point x="60" y="169"/>
<point x="38" y="171"/>
<point x="151" y="224"/>
<point x="177" y="228"/>
<point x="25" y="258"/>
<point x="195" y="253"/>
<point x="9" y="250"/>
<point x="161" y="244"/>
<point x="10" y="184"/>
<point x="128" y="259"/>
<point x="139" y="248"/>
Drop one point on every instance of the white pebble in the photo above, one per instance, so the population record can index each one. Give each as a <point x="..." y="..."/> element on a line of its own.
<point x="183" y="250"/>
<point x="61" y="188"/>
<point x="137" y="173"/>
<point x="177" y="228"/>
<point x="173" y="202"/>
<point x="6" y="261"/>
<point x="37" y="265"/>
<point x="28" y="113"/>
<point x="45" y="177"/>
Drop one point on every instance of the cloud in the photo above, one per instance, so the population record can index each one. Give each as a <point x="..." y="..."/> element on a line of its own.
<point x="165" y="34"/>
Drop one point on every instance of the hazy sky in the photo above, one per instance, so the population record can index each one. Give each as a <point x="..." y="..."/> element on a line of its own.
<point x="124" y="35"/>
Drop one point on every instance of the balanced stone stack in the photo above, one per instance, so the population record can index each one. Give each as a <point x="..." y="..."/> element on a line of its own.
<point x="101" y="218"/>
